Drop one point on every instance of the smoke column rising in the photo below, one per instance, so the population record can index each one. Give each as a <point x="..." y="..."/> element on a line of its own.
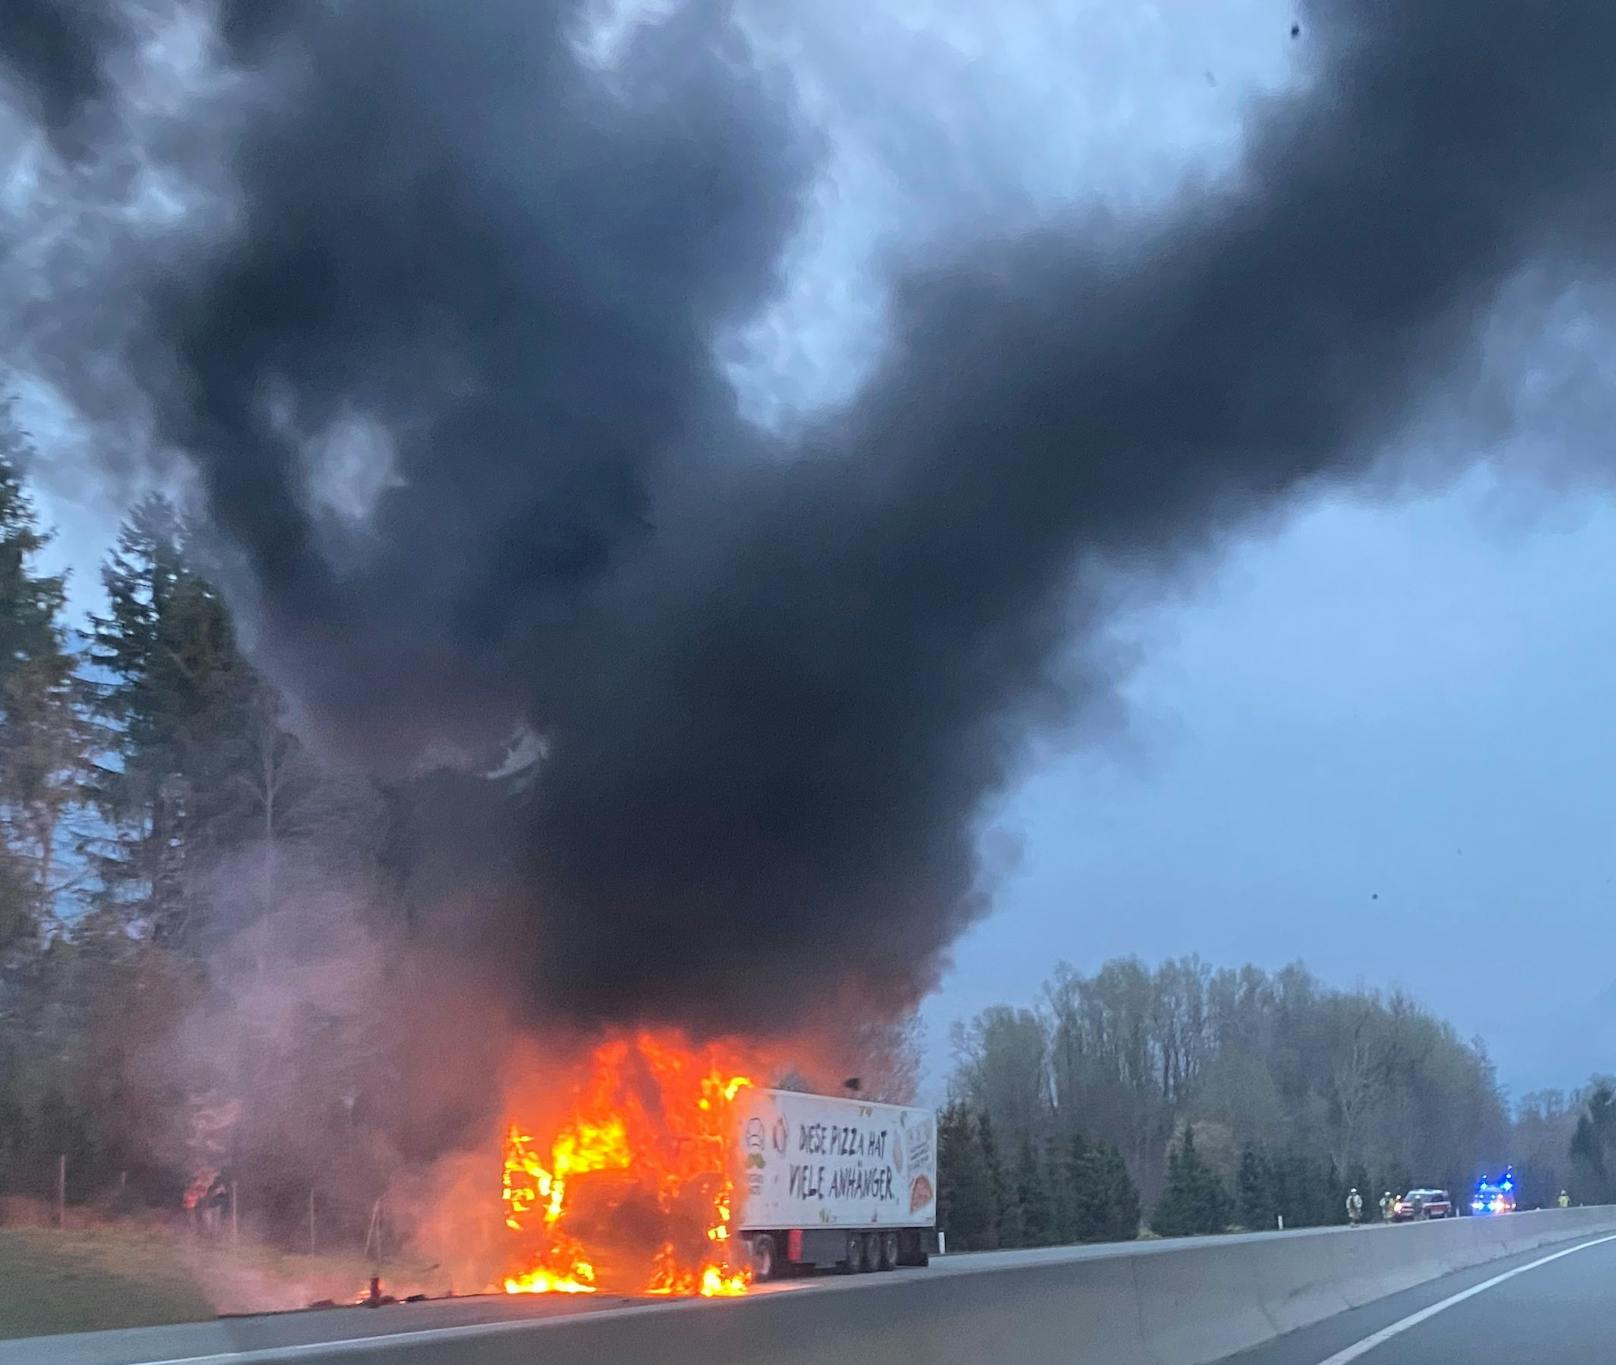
<point x="450" y="387"/>
<point x="54" y="52"/>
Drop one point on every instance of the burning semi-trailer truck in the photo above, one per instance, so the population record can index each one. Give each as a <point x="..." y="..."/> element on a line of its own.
<point x="830" y="1182"/>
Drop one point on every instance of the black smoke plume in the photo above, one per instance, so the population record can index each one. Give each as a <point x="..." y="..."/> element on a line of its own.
<point x="451" y="389"/>
<point x="55" y="50"/>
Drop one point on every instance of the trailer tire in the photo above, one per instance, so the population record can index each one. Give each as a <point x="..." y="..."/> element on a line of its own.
<point x="872" y="1251"/>
<point x="889" y="1251"/>
<point x="855" y="1253"/>
<point x="765" y="1258"/>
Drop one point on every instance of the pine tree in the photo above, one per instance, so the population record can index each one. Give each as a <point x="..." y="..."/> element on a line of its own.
<point x="1296" y="1196"/>
<point x="1119" y="1205"/>
<point x="1333" y="1193"/>
<point x="1034" y="1196"/>
<point x="1593" y="1148"/>
<point x="1175" y="1214"/>
<point x="42" y="740"/>
<point x="1087" y="1197"/>
<point x="965" y="1193"/>
<point x="1007" y="1210"/>
<point x="176" y="705"/>
<point x="1309" y="1193"/>
<point x="1105" y="1198"/>
<point x="1194" y="1201"/>
<point x="1256" y="1191"/>
<point x="1065" y="1192"/>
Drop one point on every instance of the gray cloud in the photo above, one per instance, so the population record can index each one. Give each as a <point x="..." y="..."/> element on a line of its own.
<point x="776" y="679"/>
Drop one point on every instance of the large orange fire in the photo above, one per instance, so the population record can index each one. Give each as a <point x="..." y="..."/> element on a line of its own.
<point x="632" y="1191"/>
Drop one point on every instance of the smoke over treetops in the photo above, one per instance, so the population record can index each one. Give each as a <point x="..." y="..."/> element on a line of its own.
<point x="449" y="382"/>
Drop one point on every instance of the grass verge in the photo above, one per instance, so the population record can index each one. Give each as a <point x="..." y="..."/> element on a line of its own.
<point x="125" y="1275"/>
<point x="84" y="1280"/>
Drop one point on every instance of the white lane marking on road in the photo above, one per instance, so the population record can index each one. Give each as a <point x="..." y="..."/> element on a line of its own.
<point x="1380" y="1338"/>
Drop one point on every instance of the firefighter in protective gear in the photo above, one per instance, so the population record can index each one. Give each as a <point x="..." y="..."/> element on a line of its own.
<point x="1388" y="1206"/>
<point x="1354" y="1208"/>
<point x="1564" y="1201"/>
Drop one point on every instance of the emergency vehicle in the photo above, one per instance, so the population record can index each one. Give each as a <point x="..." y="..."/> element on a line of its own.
<point x="1423" y="1204"/>
<point x="1494" y="1196"/>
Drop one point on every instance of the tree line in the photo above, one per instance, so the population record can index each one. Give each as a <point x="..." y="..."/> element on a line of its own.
<point x="1048" y="1193"/>
<point x="172" y="861"/>
<point x="1234" y="1098"/>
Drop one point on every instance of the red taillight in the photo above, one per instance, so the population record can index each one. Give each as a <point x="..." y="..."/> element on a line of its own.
<point x="794" y="1245"/>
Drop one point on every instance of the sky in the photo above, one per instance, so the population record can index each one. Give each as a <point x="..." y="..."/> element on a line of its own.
<point x="1367" y="736"/>
<point x="1373" y="740"/>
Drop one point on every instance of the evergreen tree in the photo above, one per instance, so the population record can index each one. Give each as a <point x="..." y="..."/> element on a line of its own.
<point x="1301" y="1192"/>
<point x="1215" y="1199"/>
<point x="1034" y="1196"/>
<point x="965" y="1194"/>
<point x="1067" y="1191"/>
<point x="176" y="702"/>
<point x="1333" y="1194"/>
<point x="1087" y="1194"/>
<point x="1105" y="1199"/>
<point x="1593" y="1148"/>
<point x="1281" y="1184"/>
<point x="1007" y="1210"/>
<point x="1119" y="1202"/>
<point x="1194" y="1201"/>
<point x="1176" y="1213"/>
<point x="42" y="740"/>
<point x="1310" y="1193"/>
<point x="1256" y="1191"/>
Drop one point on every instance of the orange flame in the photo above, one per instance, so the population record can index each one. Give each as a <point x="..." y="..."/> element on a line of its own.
<point x="198" y="1189"/>
<point x="636" y="1190"/>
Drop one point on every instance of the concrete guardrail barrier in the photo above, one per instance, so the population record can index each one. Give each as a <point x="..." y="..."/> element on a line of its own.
<point x="1161" y="1303"/>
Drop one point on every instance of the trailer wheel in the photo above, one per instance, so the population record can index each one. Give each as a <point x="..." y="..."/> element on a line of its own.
<point x="872" y="1251"/>
<point x="889" y="1251"/>
<point x="855" y="1253"/>
<point x="765" y="1259"/>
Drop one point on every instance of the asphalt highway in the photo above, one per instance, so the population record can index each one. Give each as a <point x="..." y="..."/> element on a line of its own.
<point x="208" y="1343"/>
<point x="1554" y="1308"/>
<point x="1551" y="1306"/>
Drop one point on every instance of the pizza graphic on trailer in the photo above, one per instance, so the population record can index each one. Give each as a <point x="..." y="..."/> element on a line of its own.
<point x="920" y="1194"/>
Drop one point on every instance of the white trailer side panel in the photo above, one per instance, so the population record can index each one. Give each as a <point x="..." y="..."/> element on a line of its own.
<point x="816" y="1161"/>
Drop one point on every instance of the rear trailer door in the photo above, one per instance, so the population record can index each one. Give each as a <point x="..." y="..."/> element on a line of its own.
<point x="816" y="1161"/>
